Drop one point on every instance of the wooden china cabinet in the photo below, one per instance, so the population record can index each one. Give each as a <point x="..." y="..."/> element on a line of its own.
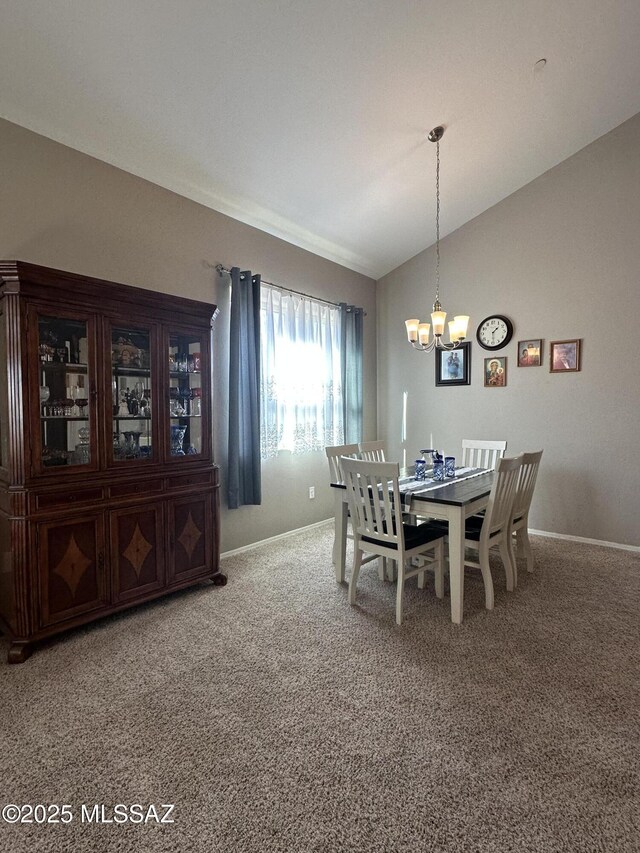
<point x="108" y="492"/>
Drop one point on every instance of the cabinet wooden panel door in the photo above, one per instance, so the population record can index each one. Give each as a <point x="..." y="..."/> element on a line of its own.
<point x="71" y="566"/>
<point x="137" y="551"/>
<point x="190" y="538"/>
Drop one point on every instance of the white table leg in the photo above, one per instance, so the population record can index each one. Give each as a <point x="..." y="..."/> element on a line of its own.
<point x="456" y="563"/>
<point x="340" y="541"/>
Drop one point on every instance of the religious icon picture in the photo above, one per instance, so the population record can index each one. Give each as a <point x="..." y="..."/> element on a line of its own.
<point x="453" y="366"/>
<point x="495" y="371"/>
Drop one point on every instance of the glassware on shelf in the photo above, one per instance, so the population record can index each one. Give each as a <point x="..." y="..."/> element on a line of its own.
<point x="145" y="403"/>
<point x="82" y="402"/>
<point x="131" y="444"/>
<point x="177" y="438"/>
<point x="82" y="451"/>
<point x="45" y="393"/>
<point x="196" y="403"/>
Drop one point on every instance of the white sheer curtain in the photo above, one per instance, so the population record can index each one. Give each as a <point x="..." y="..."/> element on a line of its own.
<point x="300" y="374"/>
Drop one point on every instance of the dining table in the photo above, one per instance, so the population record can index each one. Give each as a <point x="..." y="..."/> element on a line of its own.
<point x="452" y="500"/>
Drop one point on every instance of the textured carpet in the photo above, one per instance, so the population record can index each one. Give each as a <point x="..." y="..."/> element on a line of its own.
<point x="278" y="718"/>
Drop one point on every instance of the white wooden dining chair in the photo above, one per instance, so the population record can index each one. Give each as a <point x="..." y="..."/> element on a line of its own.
<point x="477" y="453"/>
<point x="373" y="451"/>
<point x="334" y="455"/>
<point x="378" y="529"/>
<point x="520" y="514"/>
<point x="485" y="532"/>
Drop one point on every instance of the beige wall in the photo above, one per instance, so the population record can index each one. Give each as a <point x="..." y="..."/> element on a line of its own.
<point x="63" y="209"/>
<point x="561" y="258"/>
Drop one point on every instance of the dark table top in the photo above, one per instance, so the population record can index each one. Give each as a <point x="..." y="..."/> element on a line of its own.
<point x="459" y="494"/>
<point x="454" y="494"/>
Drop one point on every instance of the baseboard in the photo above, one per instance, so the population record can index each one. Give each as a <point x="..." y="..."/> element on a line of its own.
<point x="585" y="541"/>
<point x="275" y="538"/>
<point x="582" y="539"/>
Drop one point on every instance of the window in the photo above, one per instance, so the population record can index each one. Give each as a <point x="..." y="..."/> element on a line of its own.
<point x="300" y="382"/>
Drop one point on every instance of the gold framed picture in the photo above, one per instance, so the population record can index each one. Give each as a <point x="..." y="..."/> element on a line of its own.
<point x="564" y="356"/>
<point x="530" y="353"/>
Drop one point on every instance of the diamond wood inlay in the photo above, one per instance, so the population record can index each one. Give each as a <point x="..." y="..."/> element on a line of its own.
<point x="137" y="550"/>
<point x="190" y="536"/>
<point x="73" y="565"/>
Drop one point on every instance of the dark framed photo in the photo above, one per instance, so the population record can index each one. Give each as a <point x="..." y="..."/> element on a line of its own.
<point x="495" y="371"/>
<point x="564" y="356"/>
<point x="453" y="366"/>
<point x="530" y="353"/>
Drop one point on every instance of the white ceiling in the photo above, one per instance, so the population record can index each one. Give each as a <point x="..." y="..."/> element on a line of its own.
<point x="308" y="119"/>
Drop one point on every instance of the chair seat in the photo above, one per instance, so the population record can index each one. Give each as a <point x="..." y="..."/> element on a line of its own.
<point x="472" y="528"/>
<point x="415" y="535"/>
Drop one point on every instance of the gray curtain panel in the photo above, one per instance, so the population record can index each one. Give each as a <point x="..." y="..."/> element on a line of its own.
<point x="351" y="334"/>
<point x="244" y="476"/>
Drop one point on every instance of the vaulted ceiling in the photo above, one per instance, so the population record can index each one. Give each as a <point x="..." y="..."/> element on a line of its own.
<point x="309" y="119"/>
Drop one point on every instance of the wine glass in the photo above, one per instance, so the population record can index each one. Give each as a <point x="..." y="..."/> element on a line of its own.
<point x="81" y="402"/>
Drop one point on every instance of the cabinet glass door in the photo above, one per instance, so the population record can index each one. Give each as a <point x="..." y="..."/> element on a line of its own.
<point x="131" y="392"/>
<point x="187" y="395"/>
<point x="66" y="392"/>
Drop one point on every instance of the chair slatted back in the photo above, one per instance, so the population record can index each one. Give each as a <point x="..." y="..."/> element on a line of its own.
<point x="374" y="500"/>
<point x="526" y="483"/>
<point x="372" y="451"/>
<point x="477" y="453"/>
<point x="333" y="456"/>
<point x="498" y="513"/>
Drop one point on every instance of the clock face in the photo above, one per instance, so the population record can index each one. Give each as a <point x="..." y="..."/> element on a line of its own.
<point x="495" y="332"/>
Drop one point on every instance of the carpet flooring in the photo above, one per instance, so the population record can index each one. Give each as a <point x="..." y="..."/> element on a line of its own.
<point x="278" y="718"/>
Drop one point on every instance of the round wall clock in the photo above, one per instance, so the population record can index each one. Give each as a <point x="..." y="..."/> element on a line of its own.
<point x="495" y="332"/>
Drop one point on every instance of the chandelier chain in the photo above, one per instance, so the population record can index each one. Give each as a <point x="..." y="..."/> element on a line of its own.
<point x="438" y="220"/>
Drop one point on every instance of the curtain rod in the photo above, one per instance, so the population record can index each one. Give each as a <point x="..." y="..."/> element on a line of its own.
<point x="222" y="269"/>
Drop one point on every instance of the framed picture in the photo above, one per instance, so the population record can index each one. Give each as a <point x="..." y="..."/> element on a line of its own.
<point x="453" y="366"/>
<point x="530" y="353"/>
<point x="564" y="356"/>
<point x="495" y="371"/>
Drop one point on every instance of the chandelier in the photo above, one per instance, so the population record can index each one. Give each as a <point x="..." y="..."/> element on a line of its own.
<point x="417" y="332"/>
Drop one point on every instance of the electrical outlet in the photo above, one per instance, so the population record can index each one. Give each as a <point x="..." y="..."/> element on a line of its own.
<point x="312" y="492"/>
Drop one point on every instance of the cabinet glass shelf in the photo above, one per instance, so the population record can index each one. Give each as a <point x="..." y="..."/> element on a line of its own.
<point x="67" y="365"/>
